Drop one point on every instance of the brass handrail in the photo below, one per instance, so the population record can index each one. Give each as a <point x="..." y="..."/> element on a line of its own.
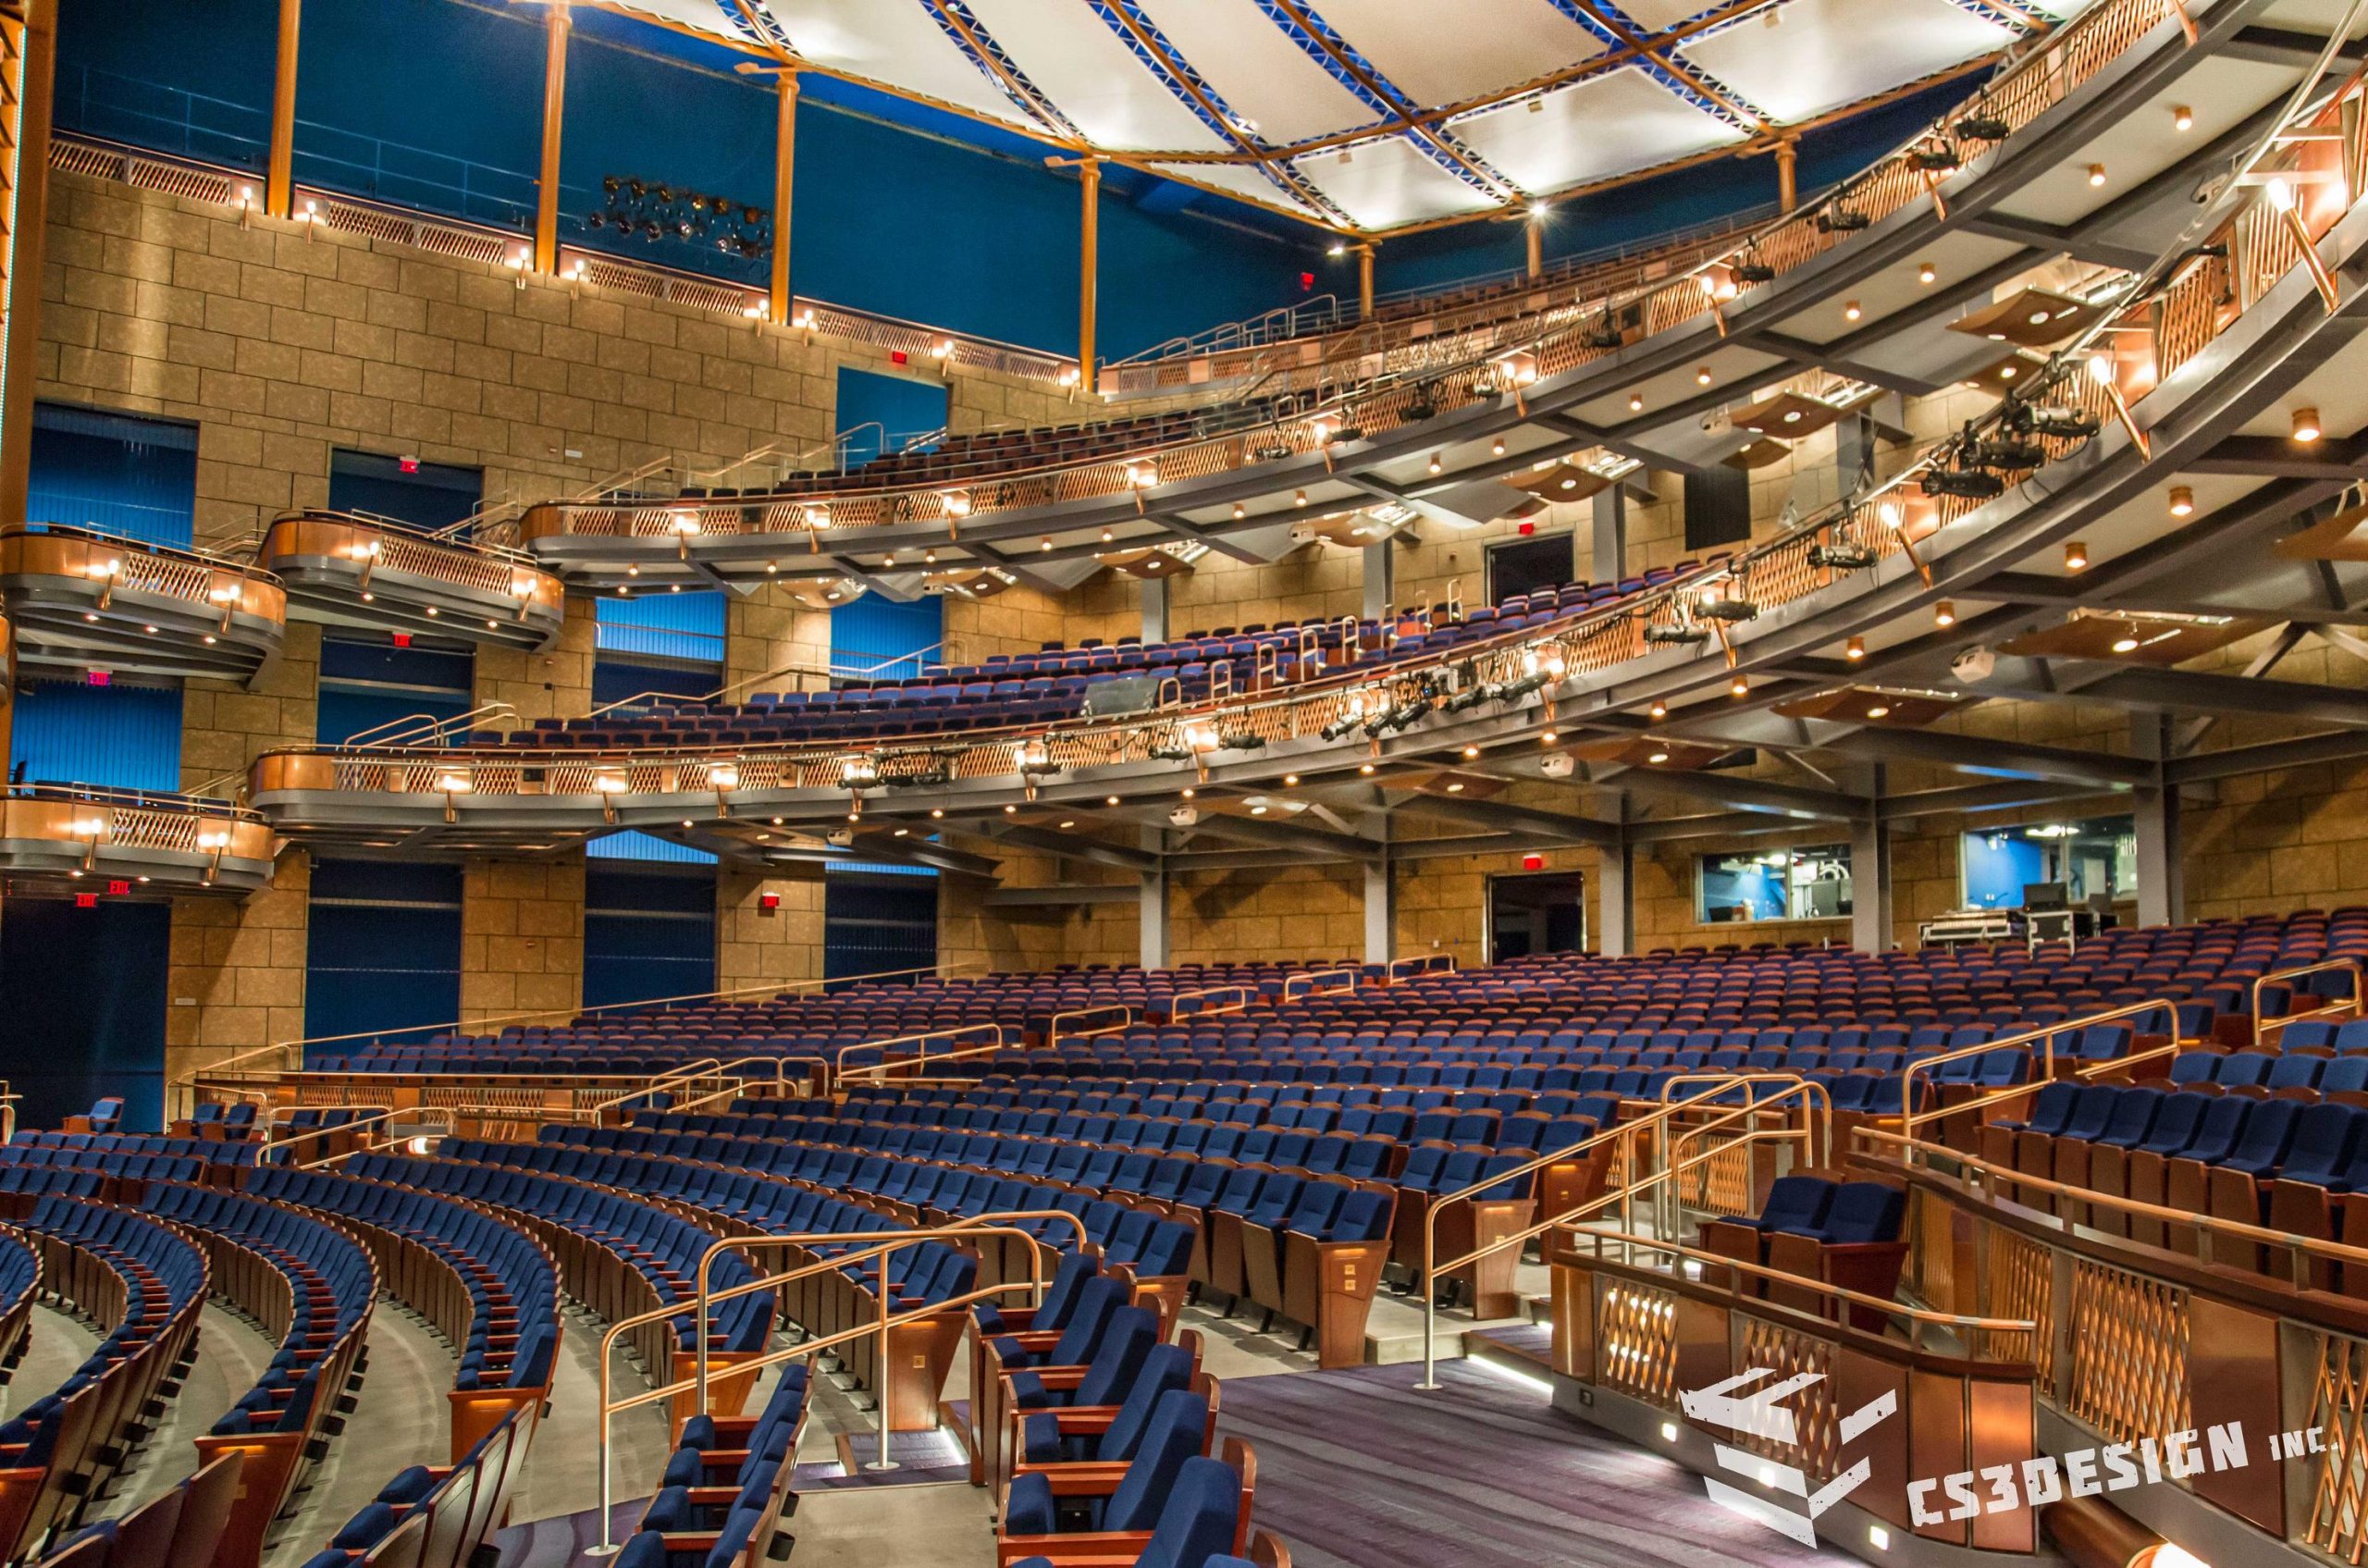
<point x="1310" y="980"/>
<point x="841" y="1072"/>
<point x="1052" y="1027"/>
<point x="1814" y="1091"/>
<point x="774" y="988"/>
<point x="2044" y="1036"/>
<point x="821" y="1081"/>
<point x="878" y="1071"/>
<point x="702" y="1068"/>
<point x="1918" y="1155"/>
<point x="1440" y="1203"/>
<point x="879" y="1244"/>
<point x="1241" y="1004"/>
<point x="2354" y="1002"/>
<point x="1922" y="1316"/>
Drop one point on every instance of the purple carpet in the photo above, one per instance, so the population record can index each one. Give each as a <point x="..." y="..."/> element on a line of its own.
<point x="1357" y="1470"/>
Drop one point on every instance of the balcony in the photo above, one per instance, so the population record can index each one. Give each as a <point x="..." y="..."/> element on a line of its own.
<point x="351" y="569"/>
<point x="81" y="599"/>
<point x="131" y="841"/>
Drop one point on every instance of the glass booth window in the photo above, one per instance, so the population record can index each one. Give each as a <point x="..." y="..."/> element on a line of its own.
<point x="2089" y="859"/>
<point x="1778" y="884"/>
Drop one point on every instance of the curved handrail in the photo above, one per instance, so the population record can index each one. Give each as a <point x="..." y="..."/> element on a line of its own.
<point x="733" y="1091"/>
<point x="841" y="1072"/>
<point x="2044" y="1036"/>
<point x="1336" y="980"/>
<point x="1916" y="1155"/>
<point x="1240" y="1003"/>
<point x="1439" y="1202"/>
<point x="1788" y="1081"/>
<point x="1053" y="1029"/>
<point x="879" y="1244"/>
<point x="2355" y="1002"/>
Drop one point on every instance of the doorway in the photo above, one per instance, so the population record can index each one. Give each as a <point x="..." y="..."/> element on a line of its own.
<point x="1536" y="912"/>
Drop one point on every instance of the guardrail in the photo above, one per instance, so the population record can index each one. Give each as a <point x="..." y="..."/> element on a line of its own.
<point x="2343" y="1007"/>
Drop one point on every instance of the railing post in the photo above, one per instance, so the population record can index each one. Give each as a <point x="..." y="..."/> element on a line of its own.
<point x="879" y="1372"/>
<point x="778" y="298"/>
<point x="280" y="170"/>
<point x="556" y="25"/>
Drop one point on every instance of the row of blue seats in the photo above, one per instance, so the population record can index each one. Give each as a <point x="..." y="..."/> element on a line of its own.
<point x="212" y="1151"/>
<point x="664" y="1250"/>
<point x="513" y="1290"/>
<point x="2273" y="1072"/>
<point x="331" y="1282"/>
<point x="753" y="1457"/>
<point x="761" y="1194"/>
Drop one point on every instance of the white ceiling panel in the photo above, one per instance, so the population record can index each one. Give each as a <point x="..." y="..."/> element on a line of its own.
<point x="1383" y="184"/>
<point x="1831" y="52"/>
<point x="1076" y="60"/>
<point x="1257" y="68"/>
<point x="1449" y="51"/>
<point x="1608" y="125"/>
<point x="898" y="45"/>
<point x="1239" y="178"/>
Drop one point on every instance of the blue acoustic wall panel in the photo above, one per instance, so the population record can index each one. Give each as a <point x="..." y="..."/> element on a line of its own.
<point x="1997" y="866"/>
<point x="648" y="934"/>
<point x="382" y="951"/>
<point x="668" y="628"/>
<point x="117" y="736"/>
<point x="877" y="414"/>
<point x="631" y="844"/>
<point x="878" y="925"/>
<point x="425" y="104"/>
<point x="137" y="478"/>
<point x="373" y="690"/>
<point x="883" y="640"/>
<point x="427" y="495"/>
<point x="84" y="994"/>
<point x="190" y="80"/>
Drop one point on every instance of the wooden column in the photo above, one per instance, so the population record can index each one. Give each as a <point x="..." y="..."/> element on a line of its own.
<point x="784" y="181"/>
<point x="26" y="217"/>
<point x="1088" y="172"/>
<point x="279" y="174"/>
<point x="556" y="25"/>
<point x="1534" y="230"/>
<point x="1364" y="281"/>
<point x="1788" y="157"/>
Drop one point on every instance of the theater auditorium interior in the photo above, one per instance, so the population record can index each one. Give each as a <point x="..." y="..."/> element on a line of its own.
<point x="1184" y="783"/>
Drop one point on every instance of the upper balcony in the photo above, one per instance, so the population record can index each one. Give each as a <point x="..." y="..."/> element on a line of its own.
<point x="91" y="840"/>
<point x="354" y="569"/>
<point x="83" y="600"/>
<point x="1659" y="362"/>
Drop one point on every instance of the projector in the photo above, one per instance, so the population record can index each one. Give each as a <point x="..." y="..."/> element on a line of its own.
<point x="1843" y="555"/>
<point x="1183" y="817"/>
<point x="1983" y="128"/>
<point x="1748" y="273"/>
<point x="1303" y="533"/>
<point x="1935" y="159"/>
<point x="1657" y="633"/>
<point x="1842" y="220"/>
<point x="1973" y="666"/>
<point x="839" y="838"/>
<point x="1558" y="766"/>
<point x="2064" y="424"/>
<point x="2007" y="454"/>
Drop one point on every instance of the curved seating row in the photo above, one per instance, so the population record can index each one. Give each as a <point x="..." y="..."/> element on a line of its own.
<point x="726" y="1486"/>
<point x="313" y="1286"/>
<point x="20" y="1282"/>
<point x="618" y="1256"/>
<point x="487" y="1285"/>
<point x="438" y="1516"/>
<point x="182" y="1527"/>
<point x="143" y="1286"/>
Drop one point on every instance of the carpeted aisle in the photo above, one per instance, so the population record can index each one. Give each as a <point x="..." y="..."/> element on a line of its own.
<point x="1357" y="1470"/>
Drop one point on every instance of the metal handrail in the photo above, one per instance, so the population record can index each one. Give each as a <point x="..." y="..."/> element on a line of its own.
<point x="1954" y="1322"/>
<point x="699" y="1069"/>
<point x="1240" y="1004"/>
<point x="1790" y="1080"/>
<point x="841" y="1072"/>
<point x="2044" y="1035"/>
<point x="450" y="1115"/>
<point x="733" y="1091"/>
<point x="1053" y="1026"/>
<point x="1320" y="982"/>
<point x="878" y="1244"/>
<point x="437" y="728"/>
<point x="1625" y="1196"/>
<point x="2355" y="1001"/>
<point x="1920" y="1155"/>
<point x="1439" y="1202"/>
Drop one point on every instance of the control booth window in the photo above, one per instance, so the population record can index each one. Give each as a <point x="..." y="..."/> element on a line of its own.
<point x="1776" y="885"/>
<point x="2089" y="863"/>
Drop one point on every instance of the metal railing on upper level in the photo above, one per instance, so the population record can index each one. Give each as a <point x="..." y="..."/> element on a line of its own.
<point x="2336" y="1007"/>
